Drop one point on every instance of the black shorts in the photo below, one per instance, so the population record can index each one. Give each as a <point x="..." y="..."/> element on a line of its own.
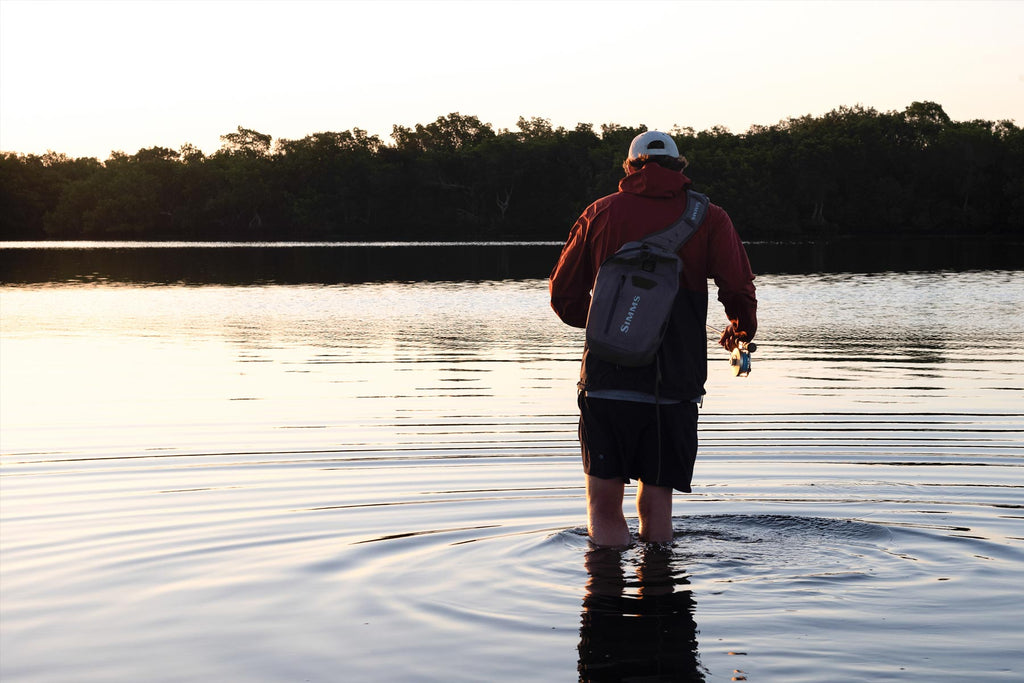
<point x="619" y="440"/>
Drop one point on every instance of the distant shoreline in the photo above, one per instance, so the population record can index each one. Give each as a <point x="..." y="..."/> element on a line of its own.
<point x="172" y="244"/>
<point x="246" y="263"/>
<point x="1001" y="239"/>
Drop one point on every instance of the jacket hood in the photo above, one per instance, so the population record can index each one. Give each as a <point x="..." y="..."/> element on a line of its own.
<point x="654" y="180"/>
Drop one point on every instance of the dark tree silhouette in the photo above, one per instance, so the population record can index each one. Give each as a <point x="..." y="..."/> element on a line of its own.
<point x="852" y="171"/>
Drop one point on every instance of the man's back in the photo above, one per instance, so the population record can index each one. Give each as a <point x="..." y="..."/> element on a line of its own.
<point x="648" y="200"/>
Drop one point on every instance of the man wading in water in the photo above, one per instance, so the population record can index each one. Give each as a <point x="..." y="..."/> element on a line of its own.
<point x="622" y="409"/>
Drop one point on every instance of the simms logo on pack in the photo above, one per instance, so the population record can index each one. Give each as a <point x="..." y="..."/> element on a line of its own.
<point x="624" y="328"/>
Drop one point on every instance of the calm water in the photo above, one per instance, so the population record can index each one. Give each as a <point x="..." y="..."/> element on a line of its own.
<point x="380" y="482"/>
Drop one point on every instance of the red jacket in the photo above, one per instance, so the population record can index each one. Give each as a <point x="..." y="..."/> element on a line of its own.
<point x="650" y="199"/>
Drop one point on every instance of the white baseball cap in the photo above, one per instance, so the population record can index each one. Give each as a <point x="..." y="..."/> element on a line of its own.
<point x="652" y="143"/>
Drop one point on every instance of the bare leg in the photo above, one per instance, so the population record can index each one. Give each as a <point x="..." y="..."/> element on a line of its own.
<point x="654" y="504"/>
<point x="605" y="522"/>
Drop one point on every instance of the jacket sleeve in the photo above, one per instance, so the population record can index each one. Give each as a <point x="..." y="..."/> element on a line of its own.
<point x="573" y="277"/>
<point x="729" y="266"/>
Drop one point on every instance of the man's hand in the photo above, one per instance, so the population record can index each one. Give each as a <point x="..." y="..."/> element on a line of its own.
<point x="731" y="335"/>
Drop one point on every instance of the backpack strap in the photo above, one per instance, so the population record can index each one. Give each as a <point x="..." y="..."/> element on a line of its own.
<point x="674" y="236"/>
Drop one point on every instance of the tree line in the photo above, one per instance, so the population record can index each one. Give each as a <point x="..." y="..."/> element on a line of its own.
<point x="852" y="171"/>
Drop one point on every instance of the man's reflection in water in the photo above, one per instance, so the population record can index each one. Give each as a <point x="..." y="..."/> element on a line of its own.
<point x="637" y="630"/>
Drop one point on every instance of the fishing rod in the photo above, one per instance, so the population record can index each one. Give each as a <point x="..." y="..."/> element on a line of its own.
<point x="740" y="357"/>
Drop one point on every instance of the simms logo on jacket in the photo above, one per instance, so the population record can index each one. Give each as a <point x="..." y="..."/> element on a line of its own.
<point x="624" y="328"/>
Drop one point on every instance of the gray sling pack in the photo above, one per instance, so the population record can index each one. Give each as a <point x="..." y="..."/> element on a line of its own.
<point x="635" y="288"/>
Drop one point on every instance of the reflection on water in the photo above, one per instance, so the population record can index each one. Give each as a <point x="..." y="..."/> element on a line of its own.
<point x="381" y="481"/>
<point x="243" y="263"/>
<point x="280" y="263"/>
<point x="638" y="628"/>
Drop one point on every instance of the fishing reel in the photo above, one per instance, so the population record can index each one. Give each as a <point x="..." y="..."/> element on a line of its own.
<point x="739" y="360"/>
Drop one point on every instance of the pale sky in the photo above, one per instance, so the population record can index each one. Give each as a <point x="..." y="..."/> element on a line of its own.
<point x="86" y="77"/>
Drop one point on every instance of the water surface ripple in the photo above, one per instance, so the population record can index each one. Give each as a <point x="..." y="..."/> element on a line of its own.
<point x="382" y="482"/>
